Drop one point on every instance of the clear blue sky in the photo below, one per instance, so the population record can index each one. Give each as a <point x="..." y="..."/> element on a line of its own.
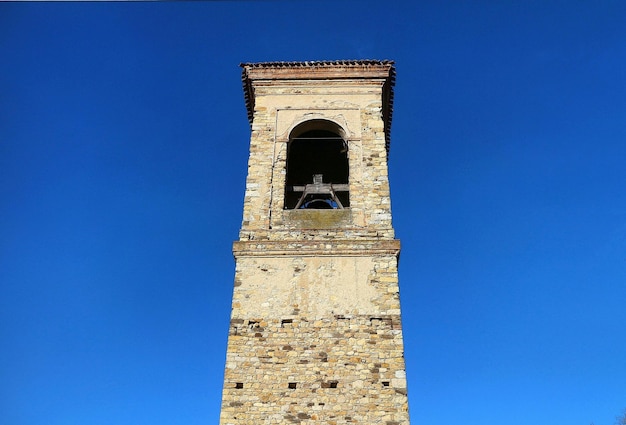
<point x="123" y="153"/>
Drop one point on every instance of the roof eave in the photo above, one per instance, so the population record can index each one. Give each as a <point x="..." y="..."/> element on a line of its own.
<point x="342" y="69"/>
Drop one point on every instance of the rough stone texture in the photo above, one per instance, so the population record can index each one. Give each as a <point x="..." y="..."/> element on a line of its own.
<point x="316" y="335"/>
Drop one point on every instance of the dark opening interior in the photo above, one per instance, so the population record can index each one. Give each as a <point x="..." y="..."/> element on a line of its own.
<point x="316" y="152"/>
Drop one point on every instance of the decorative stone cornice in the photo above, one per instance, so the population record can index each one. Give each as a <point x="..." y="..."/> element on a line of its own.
<point x="316" y="248"/>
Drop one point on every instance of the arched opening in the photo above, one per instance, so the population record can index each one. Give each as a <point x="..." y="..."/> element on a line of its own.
<point x="317" y="167"/>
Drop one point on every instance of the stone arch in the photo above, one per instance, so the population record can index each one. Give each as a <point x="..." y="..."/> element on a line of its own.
<point x="318" y="124"/>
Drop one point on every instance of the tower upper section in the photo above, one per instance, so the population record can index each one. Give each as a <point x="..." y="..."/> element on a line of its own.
<point x="318" y="150"/>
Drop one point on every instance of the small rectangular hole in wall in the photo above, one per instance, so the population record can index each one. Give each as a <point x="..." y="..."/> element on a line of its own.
<point x="293" y="385"/>
<point x="287" y="322"/>
<point x="332" y="384"/>
<point x="375" y="321"/>
<point x="385" y="322"/>
<point x="385" y="383"/>
<point x="239" y="385"/>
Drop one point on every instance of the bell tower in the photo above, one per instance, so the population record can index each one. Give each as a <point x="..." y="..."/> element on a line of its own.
<point x="315" y="332"/>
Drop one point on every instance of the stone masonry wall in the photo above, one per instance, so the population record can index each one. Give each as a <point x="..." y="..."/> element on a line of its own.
<point x="339" y="370"/>
<point x="357" y="108"/>
<point x="322" y="345"/>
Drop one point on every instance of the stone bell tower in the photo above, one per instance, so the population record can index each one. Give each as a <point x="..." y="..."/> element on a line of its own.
<point x="315" y="332"/>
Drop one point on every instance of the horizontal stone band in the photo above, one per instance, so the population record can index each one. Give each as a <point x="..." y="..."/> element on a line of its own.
<point x="316" y="248"/>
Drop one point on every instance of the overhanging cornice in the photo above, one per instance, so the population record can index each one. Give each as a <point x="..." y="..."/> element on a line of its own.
<point x="322" y="70"/>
